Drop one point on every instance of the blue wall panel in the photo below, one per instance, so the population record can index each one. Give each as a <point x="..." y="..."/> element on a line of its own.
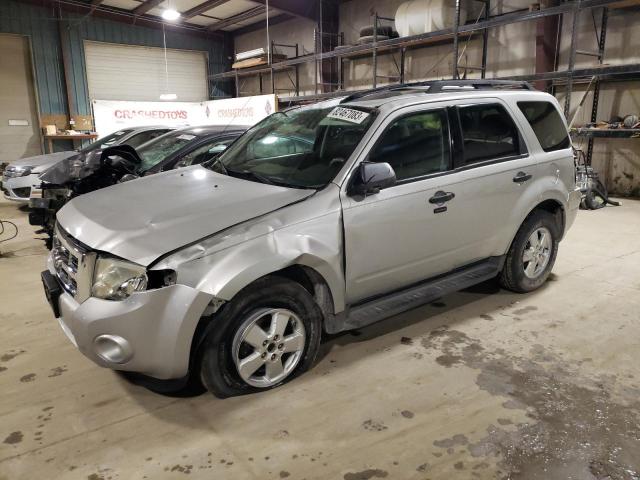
<point x="42" y="26"/>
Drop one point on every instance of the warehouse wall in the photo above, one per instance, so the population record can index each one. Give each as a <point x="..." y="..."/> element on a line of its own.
<point x="511" y="51"/>
<point x="42" y="27"/>
<point x="290" y="32"/>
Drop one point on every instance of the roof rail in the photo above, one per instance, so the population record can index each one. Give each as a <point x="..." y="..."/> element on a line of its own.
<point x="439" y="86"/>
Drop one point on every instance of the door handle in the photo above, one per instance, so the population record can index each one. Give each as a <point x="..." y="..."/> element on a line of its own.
<point x="441" y="197"/>
<point x="521" y="177"/>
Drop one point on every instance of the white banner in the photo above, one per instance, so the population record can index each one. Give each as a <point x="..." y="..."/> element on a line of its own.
<point x="110" y="115"/>
<point x="240" y="111"/>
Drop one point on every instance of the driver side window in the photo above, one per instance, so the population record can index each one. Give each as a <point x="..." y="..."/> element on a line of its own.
<point x="415" y="145"/>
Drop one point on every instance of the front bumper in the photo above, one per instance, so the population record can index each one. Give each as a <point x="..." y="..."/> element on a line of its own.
<point x="151" y="331"/>
<point x="18" y="189"/>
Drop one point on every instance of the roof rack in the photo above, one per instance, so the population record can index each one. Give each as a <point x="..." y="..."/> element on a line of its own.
<point x="439" y="86"/>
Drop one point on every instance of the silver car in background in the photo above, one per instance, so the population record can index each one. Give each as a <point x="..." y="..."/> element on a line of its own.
<point x="21" y="175"/>
<point x="325" y="217"/>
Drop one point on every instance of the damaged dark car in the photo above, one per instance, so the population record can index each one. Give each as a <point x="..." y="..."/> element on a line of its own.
<point x="79" y="175"/>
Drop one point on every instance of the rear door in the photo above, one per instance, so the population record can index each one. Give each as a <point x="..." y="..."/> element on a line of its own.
<point x="493" y="169"/>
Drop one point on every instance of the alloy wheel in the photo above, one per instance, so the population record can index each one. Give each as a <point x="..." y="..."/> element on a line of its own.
<point x="268" y="346"/>
<point x="537" y="252"/>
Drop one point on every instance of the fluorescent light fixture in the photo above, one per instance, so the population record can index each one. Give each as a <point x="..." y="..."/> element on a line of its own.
<point x="168" y="96"/>
<point x="170" y="14"/>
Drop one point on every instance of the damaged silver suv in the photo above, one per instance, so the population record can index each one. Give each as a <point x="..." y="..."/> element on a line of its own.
<point x="324" y="217"/>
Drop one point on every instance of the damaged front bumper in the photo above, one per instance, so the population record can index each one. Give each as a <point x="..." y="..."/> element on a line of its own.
<point x="149" y="332"/>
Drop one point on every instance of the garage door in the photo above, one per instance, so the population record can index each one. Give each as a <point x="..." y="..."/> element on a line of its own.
<point x="124" y="72"/>
<point x="19" y="130"/>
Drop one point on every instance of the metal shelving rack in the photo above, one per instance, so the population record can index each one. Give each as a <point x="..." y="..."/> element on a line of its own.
<point x="454" y="35"/>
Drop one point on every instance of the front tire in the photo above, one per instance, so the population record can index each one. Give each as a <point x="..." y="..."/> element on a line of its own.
<point x="532" y="253"/>
<point x="266" y="336"/>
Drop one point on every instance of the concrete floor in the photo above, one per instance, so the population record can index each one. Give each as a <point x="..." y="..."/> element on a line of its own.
<point x="482" y="384"/>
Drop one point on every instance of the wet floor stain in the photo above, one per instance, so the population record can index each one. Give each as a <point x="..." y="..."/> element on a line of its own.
<point x="284" y="474"/>
<point x="373" y="425"/>
<point x="406" y="341"/>
<point x="525" y="310"/>
<point x="186" y="469"/>
<point x="407" y="413"/>
<point x="366" y="474"/>
<point x="2" y="369"/>
<point x="30" y="377"/>
<point x="577" y="429"/>
<point x="57" y="371"/>
<point x="13" y="438"/>
<point x="11" y="354"/>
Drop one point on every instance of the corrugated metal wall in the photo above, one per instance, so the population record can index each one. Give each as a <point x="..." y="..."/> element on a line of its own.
<point x="42" y="26"/>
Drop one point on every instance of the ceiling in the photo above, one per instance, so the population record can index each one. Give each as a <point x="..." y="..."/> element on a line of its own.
<point x="210" y="15"/>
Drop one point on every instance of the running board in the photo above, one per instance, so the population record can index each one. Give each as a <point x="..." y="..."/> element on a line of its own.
<point x="392" y="304"/>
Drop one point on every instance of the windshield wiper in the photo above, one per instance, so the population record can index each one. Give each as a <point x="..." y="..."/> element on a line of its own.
<point x="250" y="174"/>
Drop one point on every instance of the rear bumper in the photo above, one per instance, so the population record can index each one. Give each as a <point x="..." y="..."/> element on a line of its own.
<point x="149" y="332"/>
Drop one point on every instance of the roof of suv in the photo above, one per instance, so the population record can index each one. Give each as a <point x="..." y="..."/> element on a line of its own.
<point x="393" y="97"/>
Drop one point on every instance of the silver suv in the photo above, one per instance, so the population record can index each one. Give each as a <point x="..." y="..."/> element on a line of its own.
<point x="325" y="217"/>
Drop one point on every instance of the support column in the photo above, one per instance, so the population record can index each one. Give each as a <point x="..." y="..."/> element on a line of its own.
<point x="546" y="44"/>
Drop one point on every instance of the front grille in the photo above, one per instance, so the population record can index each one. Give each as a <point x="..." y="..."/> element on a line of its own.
<point x="22" y="192"/>
<point x="73" y="263"/>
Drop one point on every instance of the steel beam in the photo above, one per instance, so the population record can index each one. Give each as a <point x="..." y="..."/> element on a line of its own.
<point x="301" y="9"/>
<point x="146" y="6"/>
<point x="201" y="8"/>
<point x="240" y="17"/>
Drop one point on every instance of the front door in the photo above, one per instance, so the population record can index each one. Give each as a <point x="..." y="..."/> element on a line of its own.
<point x="398" y="236"/>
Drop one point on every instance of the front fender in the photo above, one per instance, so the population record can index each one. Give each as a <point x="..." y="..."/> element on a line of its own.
<point x="315" y="244"/>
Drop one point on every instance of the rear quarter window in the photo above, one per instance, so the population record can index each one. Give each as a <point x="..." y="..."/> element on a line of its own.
<point x="546" y="124"/>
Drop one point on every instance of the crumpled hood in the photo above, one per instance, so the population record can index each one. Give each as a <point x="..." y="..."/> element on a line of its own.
<point x="42" y="162"/>
<point x="141" y="220"/>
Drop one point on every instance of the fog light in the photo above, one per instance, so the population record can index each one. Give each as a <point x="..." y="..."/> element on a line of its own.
<point x="112" y="349"/>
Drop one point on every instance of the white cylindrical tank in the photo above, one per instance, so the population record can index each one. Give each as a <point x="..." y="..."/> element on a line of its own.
<point x="420" y="16"/>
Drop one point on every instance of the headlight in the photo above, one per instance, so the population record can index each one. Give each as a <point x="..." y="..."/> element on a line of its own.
<point x="117" y="279"/>
<point x="18" y="171"/>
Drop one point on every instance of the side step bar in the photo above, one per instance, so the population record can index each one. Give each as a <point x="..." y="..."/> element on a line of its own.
<point x="392" y="304"/>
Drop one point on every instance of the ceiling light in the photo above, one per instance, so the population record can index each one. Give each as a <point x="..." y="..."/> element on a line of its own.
<point x="170" y="14"/>
<point x="168" y="96"/>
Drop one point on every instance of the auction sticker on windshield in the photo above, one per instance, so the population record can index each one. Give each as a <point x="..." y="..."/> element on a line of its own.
<point x="187" y="137"/>
<point x="348" y="115"/>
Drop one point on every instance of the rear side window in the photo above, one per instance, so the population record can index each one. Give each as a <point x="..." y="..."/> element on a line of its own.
<point x="488" y="133"/>
<point x="546" y="124"/>
<point x="415" y="145"/>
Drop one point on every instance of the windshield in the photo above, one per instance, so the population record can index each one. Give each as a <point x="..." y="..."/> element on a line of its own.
<point x="155" y="151"/>
<point x="105" y="142"/>
<point x="303" y="148"/>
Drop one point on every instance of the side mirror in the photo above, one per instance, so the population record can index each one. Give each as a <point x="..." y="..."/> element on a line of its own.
<point x="371" y="177"/>
<point x="128" y="177"/>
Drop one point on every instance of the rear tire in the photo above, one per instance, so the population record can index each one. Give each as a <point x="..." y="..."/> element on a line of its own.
<point x="532" y="254"/>
<point x="273" y="325"/>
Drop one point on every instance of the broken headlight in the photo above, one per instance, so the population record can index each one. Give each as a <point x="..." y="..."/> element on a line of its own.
<point x="115" y="279"/>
